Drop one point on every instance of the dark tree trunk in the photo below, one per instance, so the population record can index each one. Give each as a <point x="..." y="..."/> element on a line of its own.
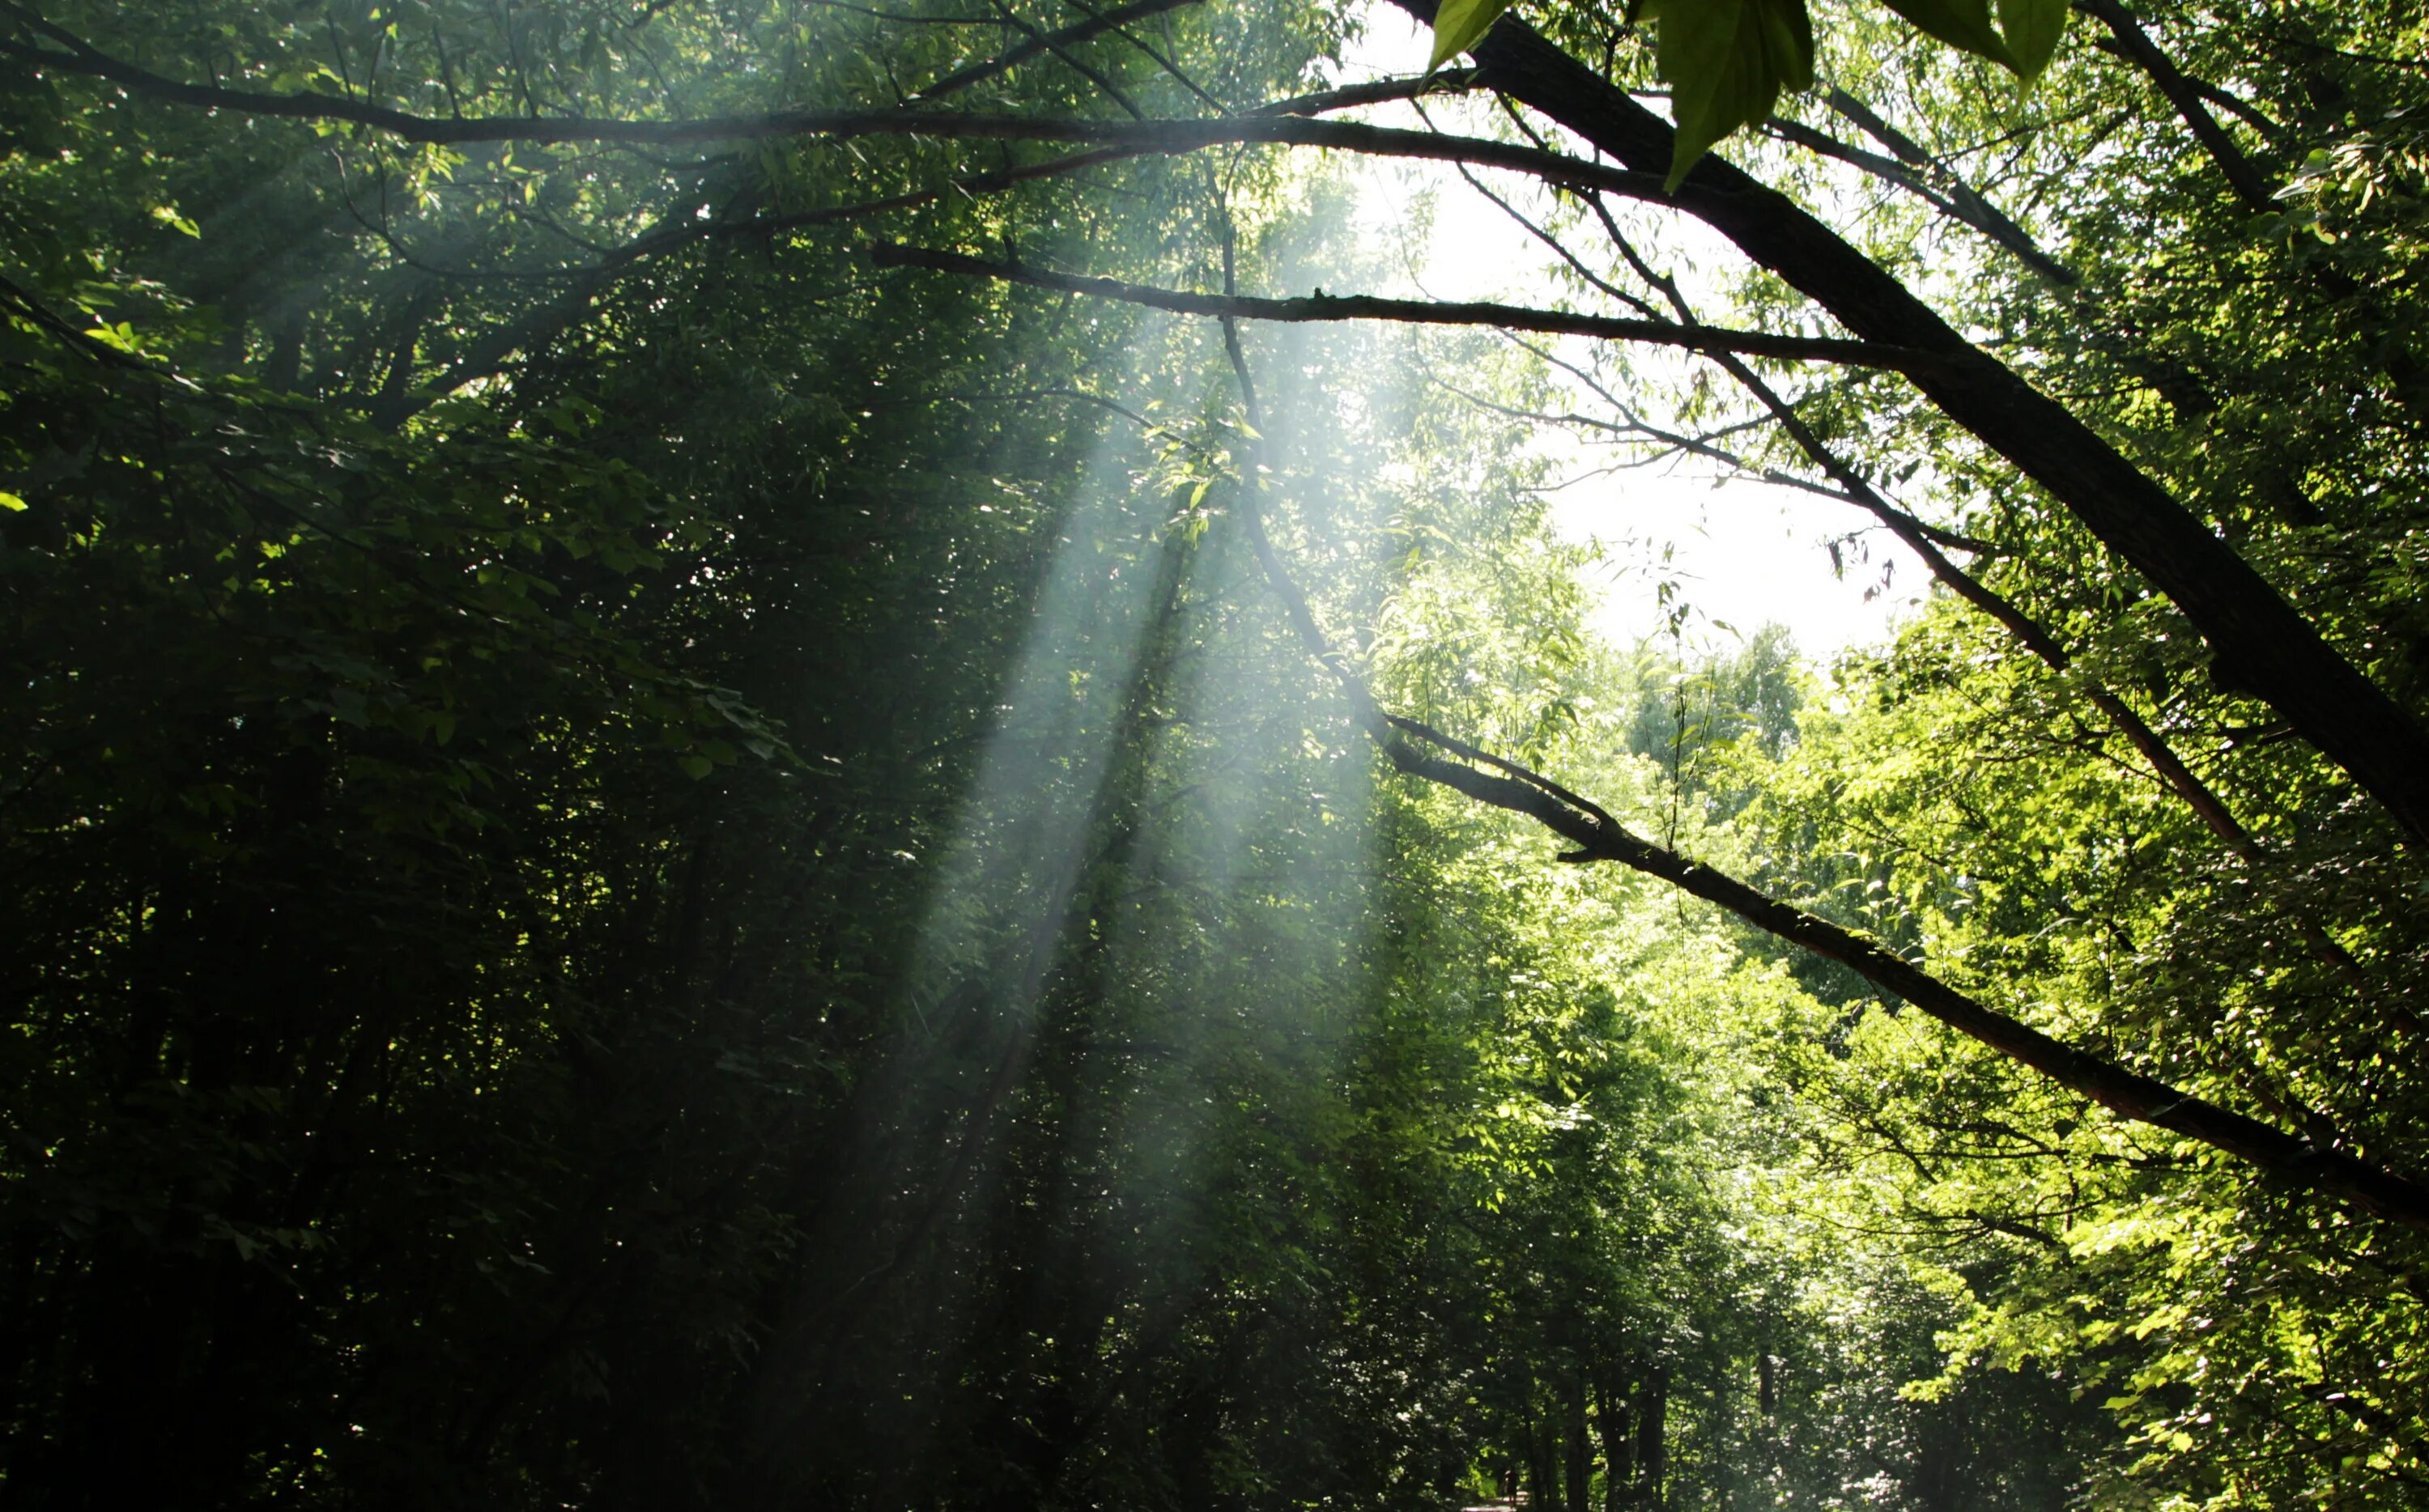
<point x="1652" y="1435"/>
<point x="1580" y="1466"/>
<point x="1610" y="1418"/>
<point x="285" y="369"/>
<point x="1543" y="1459"/>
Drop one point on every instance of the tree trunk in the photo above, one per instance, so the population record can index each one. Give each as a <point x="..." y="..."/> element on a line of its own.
<point x="1580" y="1466"/>
<point x="1652" y="1434"/>
<point x="1543" y="1459"/>
<point x="1610" y="1417"/>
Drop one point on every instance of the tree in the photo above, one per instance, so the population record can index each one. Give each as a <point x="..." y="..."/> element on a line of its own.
<point x="465" y="949"/>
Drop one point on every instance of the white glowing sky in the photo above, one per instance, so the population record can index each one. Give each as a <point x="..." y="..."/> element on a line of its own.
<point x="1743" y="553"/>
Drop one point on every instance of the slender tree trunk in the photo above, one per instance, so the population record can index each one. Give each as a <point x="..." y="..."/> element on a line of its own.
<point x="1580" y="1466"/>
<point x="1652" y="1437"/>
<point x="1543" y="1467"/>
<point x="1610" y="1417"/>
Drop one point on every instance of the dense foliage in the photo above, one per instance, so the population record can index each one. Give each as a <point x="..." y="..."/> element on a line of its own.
<point x="681" y="830"/>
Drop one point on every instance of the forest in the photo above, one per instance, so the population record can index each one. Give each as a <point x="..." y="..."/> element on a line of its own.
<point x="766" y="754"/>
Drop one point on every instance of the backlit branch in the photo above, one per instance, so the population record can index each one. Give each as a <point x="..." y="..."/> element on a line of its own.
<point x="1284" y="125"/>
<point x="1037" y="43"/>
<point x="1326" y="307"/>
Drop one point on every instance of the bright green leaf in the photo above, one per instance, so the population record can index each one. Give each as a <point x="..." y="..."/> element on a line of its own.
<point x="2033" y="28"/>
<point x="167" y="215"/>
<point x="1460" y="24"/>
<point x="9" y="500"/>
<point x="119" y="338"/>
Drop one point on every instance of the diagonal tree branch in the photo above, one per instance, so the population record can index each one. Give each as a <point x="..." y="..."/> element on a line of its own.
<point x="1927" y="176"/>
<point x="1078" y="65"/>
<point x="1037" y="42"/>
<point x="2179" y="777"/>
<point x="2135" y="44"/>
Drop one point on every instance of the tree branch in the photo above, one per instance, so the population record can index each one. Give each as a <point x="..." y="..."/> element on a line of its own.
<point x="1285" y="124"/>
<point x="1321" y="307"/>
<point x="2179" y="777"/>
<point x="1914" y="169"/>
<point x="1038" y="42"/>
<point x="2137" y="47"/>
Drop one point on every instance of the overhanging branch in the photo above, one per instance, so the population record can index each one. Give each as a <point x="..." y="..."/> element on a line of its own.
<point x="1286" y="124"/>
<point x="1037" y="43"/>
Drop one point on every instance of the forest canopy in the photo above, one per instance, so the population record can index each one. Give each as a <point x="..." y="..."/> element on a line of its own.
<point x="768" y="753"/>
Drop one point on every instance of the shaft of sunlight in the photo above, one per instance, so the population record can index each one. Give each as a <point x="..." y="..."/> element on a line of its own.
<point x="1679" y="542"/>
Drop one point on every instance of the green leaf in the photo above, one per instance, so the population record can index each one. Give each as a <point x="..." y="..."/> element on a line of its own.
<point x="1460" y="24"/>
<point x="1962" y="24"/>
<point x="119" y="338"/>
<point x="2033" y="28"/>
<point x="1787" y="40"/>
<point x="167" y="215"/>
<point x="697" y="767"/>
<point x="9" y="500"/>
<point x="1726" y="62"/>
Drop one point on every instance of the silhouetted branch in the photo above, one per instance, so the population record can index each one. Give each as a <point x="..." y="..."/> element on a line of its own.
<point x="1321" y="307"/>
<point x="1038" y="42"/>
